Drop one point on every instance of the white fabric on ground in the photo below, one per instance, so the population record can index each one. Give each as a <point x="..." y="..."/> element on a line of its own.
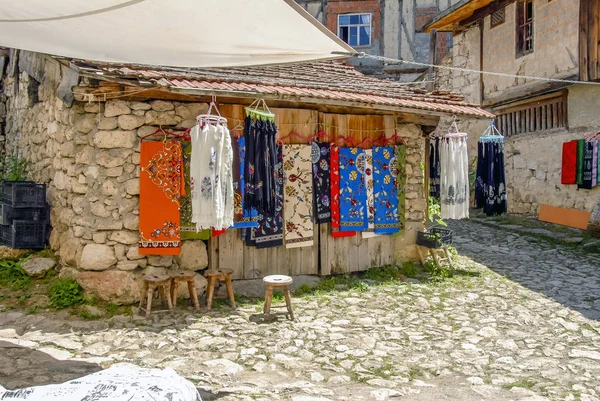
<point x="180" y="33"/>
<point x="120" y="382"/>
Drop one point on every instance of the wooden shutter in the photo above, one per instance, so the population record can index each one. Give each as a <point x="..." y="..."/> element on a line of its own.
<point x="589" y="37"/>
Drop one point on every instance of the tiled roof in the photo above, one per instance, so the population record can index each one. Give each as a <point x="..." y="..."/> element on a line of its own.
<point x="321" y="80"/>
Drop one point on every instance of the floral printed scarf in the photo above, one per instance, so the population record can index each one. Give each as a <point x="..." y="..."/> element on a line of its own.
<point x="298" y="213"/>
<point x="335" y="195"/>
<point x="321" y="184"/>
<point x="353" y="193"/>
<point x="385" y="188"/>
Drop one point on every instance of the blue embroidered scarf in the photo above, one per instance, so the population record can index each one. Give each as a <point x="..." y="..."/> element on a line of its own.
<point x="353" y="193"/>
<point x="385" y="190"/>
<point x="250" y="218"/>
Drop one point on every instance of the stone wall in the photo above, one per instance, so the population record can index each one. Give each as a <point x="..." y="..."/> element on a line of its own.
<point x="88" y="154"/>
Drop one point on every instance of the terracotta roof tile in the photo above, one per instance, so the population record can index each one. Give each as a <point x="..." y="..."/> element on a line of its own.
<point x="321" y="80"/>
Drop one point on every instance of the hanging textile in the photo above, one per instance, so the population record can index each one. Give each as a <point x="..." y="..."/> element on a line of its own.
<point x="242" y="218"/>
<point x="161" y="185"/>
<point x="400" y="152"/>
<point x="595" y="165"/>
<point x="297" y="196"/>
<point x="211" y="175"/>
<point x="501" y="206"/>
<point x="598" y="164"/>
<point x="370" y="211"/>
<point x="353" y="193"/>
<point x="321" y="181"/>
<point x="434" y="169"/>
<point x="588" y="162"/>
<point x="385" y="172"/>
<point x="335" y="194"/>
<point x="569" y="163"/>
<point x="188" y="229"/>
<point x="454" y="180"/>
<point x="480" y="177"/>
<point x="580" y="152"/>
<point x="269" y="232"/>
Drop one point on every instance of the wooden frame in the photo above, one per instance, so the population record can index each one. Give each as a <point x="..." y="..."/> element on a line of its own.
<point x="524" y="24"/>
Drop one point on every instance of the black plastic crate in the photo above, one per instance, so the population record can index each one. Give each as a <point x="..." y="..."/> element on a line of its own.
<point x="22" y="194"/>
<point x="24" y="235"/>
<point x="38" y="214"/>
<point x="435" y="237"/>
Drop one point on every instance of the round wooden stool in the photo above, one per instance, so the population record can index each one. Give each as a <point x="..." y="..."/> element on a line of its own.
<point x="152" y="282"/>
<point x="278" y="281"/>
<point x="214" y="275"/>
<point x="184" y="277"/>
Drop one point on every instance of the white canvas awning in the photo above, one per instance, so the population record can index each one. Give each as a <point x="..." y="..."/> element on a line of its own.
<point x="181" y="33"/>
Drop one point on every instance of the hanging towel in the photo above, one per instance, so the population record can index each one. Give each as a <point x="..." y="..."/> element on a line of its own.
<point x="501" y="203"/>
<point x="588" y="161"/>
<point x="569" y="163"/>
<point x="249" y="218"/>
<point x="297" y="196"/>
<point x="335" y="194"/>
<point x="321" y="181"/>
<point x="161" y="185"/>
<point x="353" y="193"/>
<point x="480" y="177"/>
<point x="454" y="188"/>
<point x="595" y="165"/>
<point x="434" y="169"/>
<point x="211" y="175"/>
<point x="400" y="152"/>
<point x="259" y="169"/>
<point x="370" y="215"/>
<point x="580" y="152"/>
<point x="269" y="233"/>
<point x="385" y="188"/>
<point x="188" y="229"/>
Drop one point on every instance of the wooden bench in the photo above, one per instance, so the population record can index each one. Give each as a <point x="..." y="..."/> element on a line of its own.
<point x="152" y="282"/>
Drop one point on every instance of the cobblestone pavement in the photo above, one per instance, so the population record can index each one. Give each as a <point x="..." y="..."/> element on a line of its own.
<point x="518" y="322"/>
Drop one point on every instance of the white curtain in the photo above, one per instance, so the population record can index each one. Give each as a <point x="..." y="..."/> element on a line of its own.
<point x="454" y="178"/>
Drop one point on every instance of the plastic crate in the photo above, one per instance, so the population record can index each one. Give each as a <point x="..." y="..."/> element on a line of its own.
<point x="38" y="214"/>
<point x="24" y="235"/>
<point x="435" y="237"/>
<point x="20" y="194"/>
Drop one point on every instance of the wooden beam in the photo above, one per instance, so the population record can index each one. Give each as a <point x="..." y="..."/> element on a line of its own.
<point x="483" y="12"/>
<point x="432" y="57"/>
<point x="527" y="91"/>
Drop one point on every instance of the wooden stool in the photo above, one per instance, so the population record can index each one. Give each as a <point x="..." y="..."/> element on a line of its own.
<point x="185" y="277"/>
<point x="434" y="255"/>
<point x="151" y="282"/>
<point x="215" y="275"/>
<point x="278" y="281"/>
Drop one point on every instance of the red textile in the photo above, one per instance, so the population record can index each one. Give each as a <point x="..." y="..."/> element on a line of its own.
<point x="216" y="233"/>
<point x="161" y="185"/>
<point x="569" y="163"/>
<point x="334" y="168"/>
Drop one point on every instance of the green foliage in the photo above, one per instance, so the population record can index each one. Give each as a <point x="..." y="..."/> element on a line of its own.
<point x="472" y="176"/>
<point x="23" y="297"/>
<point x="326" y="285"/>
<point x="303" y="290"/>
<point x="358" y="286"/>
<point x="435" y="212"/>
<point x="438" y="273"/>
<point x="33" y="309"/>
<point x="13" y="276"/>
<point x="14" y="169"/>
<point x="453" y="252"/>
<point x="383" y="273"/>
<point x="278" y="296"/>
<point x="409" y="269"/>
<point x="64" y="293"/>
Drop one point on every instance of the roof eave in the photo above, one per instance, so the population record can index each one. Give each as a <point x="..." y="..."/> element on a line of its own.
<point x="449" y="18"/>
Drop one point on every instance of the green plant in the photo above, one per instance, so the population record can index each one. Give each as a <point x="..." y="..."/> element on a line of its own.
<point x="13" y="276"/>
<point x="472" y="176"/>
<point x="23" y="297"/>
<point x="383" y="273"/>
<point x="434" y="211"/>
<point x="409" y="269"/>
<point x="14" y="169"/>
<point x="33" y="309"/>
<point x="438" y="273"/>
<point x="64" y="293"/>
<point x="303" y="290"/>
<point x="358" y="286"/>
<point x="326" y="285"/>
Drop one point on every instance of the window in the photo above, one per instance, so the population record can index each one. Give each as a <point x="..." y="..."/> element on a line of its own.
<point x="355" y="29"/>
<point x="498" y="17"/>
<point x="540" y="114"/>
<point x="524" y="27"/>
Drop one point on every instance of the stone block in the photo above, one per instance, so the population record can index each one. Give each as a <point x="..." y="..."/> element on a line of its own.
<point x="97" y="257"/>
<point x="115" y="286"/>
<point x="189" y="111"/>
<point x="127" y="265"/>
<point x="108" y="224"/>
<point x="139" y="106"/>
<point x="99" y="238"/>
<point x="132" y="187"/>
<point x="92" y="171"/>
<point x="160" y="261"/>
<point x="79" y="188"/>
<point x="132" y="254"/>
<point x="129" y="122"/>
<point x="93" y="107"/>
<point x="84" y="123"/>
<point x="109" y="188"/>
<point x="162" y="105"/>
<point x="115" y="139"/>
<point x="114" y="172"/>
<point x="131" y="222"/>
<point x="78" y="231"/>
<point x="38" y="267"/>
<point x="99" y="209"/>
<point x="115" y="108"/>
<point x="146" y="130"/>
<point x="85" y="156"/>
<point x="125" y="237"/>
<point x="108" y="124"/>
<point x="112" y="158"/>
<point x="193" y="255"/>
<point x="162" y="118"/>
<point x="79" y="204"/>
<point x="120" y="251"/>
<point x="67" y="149"/>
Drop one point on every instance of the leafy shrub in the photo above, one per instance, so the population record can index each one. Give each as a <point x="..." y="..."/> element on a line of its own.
<point x="14" y="169"/>
<point x="304" y="289"/>
<point x="12" y="275"/>
<point x="409" y="269"/>
<point x="64" y="293"/>
<point x="383" y="273"/>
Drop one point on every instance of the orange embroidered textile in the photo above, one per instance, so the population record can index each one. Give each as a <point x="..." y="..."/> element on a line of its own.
<point x="161" y="185"/>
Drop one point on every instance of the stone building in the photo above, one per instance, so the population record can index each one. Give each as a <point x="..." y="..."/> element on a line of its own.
<point x="78" y="125"/>
<point x="389" y="28"/>
<point x="550" y="39"/>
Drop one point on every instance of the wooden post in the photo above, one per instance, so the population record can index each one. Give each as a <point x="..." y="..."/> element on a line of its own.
<point x="432" y="57"/>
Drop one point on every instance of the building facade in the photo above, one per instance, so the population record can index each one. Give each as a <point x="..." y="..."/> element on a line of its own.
<point x="389" y="28"/>
<point x="550" y="39"/>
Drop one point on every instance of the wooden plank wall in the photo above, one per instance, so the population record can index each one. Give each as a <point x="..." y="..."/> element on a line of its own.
<point x="335" y="256"/>
<point x="589" y="40"/>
